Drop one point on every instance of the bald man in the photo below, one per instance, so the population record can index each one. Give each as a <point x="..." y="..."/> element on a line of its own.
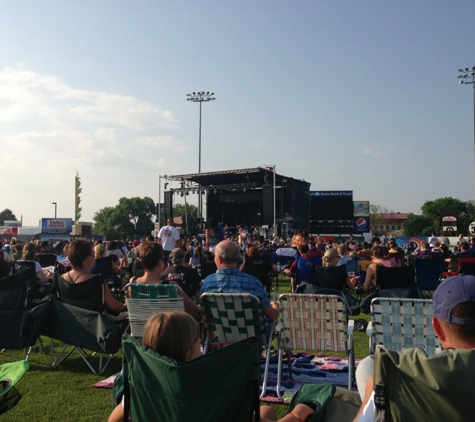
<point x="229" y="279"/>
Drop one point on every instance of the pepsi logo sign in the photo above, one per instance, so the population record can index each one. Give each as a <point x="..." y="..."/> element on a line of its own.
<point x="361" y="223"/>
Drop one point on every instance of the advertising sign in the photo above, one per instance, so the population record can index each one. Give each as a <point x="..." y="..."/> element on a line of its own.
<point x="361" y="208"/>
<point x="56" y="225"/>
<point x="361" y="225"/>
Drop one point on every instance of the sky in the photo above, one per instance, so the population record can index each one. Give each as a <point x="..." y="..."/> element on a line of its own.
<point x="347" y="95"/>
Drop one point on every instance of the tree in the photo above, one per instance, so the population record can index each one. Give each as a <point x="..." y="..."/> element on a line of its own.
<point x="433" y="211"/>
<point x="6" y="214"/>
<point x="191" y="211"/>
<point x="418" y="225"/>
<point x="132" y="216"/>
<point x="376" y="218"/>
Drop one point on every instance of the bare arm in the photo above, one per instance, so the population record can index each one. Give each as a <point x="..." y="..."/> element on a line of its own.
<point x="44" y="278"/>
<point x="368" y="392"/>
<point x="370" y="273"/>
<point x="272" y="312"/>
<point x="111" y="303"/>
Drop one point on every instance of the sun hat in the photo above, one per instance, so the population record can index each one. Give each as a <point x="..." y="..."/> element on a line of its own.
<point x="452" y="292"/>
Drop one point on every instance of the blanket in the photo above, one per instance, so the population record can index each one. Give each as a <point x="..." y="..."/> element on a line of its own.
<point x="306" y="368"/>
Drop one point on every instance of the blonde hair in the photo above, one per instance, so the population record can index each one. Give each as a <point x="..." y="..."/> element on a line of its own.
<point x="330" y="253"/>
<point x="99" y="250"/>
<point x="171" y="334"/>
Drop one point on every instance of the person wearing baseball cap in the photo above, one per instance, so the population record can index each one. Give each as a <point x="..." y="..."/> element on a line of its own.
<point x="188" y="278"/>
<point x="454" y="325"/>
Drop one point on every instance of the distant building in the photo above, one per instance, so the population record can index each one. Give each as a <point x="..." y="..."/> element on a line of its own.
<point x="392" y="221"/>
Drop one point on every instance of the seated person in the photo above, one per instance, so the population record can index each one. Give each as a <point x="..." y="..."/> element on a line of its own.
<point x="152" y="257"/>
<point x="81" y="257"/>
<point x="171" y="334"/>
<point x="186" y="277"/>
<point x="464" y="251"/>
<point x="258" y="265"/>
<point x="29" y="252"/>
<point x="454" y="325"/>
<point x="301" y="269"/>
<point x="229" y="279"/>
<point x="104" y="265"/>
<point x="378" y="256"/>
<point x="425" y="250"/>
<point x="345" y="259"/>
<point x="331" y="275"/>
<point x="17" y="251"/>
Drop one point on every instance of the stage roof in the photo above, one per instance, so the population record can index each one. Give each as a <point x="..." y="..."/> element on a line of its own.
<point x="254" y="175"/>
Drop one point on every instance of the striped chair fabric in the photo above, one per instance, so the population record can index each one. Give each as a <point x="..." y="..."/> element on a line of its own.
<point x="234" y="316"/>
<point x="402" y="323"/>
<point x="145" y="300"/>
<point x="315" y="322"/>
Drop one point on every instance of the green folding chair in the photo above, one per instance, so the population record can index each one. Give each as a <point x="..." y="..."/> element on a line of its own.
<point x="10" y="374"/>
<point x="220" y="386"/>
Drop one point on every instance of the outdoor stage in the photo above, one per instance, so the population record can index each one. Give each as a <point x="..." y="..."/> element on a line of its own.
<point x="254" y="196"/>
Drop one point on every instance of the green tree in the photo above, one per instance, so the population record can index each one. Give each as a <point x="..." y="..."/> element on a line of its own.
<point x="6" y="214"/>
<point x="132" y="216"/>
<point x="191" y="210"/>
<point x="418" y="225"/>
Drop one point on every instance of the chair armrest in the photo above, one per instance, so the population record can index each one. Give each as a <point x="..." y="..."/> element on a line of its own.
<point x="369" y="329"/>
<point x="351" y="326"/>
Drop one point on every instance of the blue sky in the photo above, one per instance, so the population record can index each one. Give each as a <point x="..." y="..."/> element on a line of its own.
<point x="347" y="95"/>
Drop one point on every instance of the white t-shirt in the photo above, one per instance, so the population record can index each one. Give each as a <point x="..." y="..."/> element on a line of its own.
<point x="369" y="411"/>
<point x="168" y="236"/>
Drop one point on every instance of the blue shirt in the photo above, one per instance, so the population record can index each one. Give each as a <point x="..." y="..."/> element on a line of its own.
<point x="232" y="280"/>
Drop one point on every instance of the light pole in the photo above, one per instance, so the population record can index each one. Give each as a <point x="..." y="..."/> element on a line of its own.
<point x="55" y="208"/>
<point x="200" y="97"/>
<point x="467" y="76"/>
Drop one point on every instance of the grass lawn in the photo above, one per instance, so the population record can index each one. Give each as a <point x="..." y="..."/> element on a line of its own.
<point x="66" y="393"/>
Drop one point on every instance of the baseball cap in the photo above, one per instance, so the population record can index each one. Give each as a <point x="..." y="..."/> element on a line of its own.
<point x="135" y="243"/>
<point x="452" y="292"/>
<point x="177" y="255"/>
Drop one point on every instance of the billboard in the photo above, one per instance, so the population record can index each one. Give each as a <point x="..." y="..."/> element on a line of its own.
<point x="331" y="205"/>
<point x="361" y="208"/>
<point x="56" y="225"/>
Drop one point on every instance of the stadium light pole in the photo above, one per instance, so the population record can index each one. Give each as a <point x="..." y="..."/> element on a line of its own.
<point x="55" y="208"/>
<point x="467" y="76"/>
<point x="200" y="97"/>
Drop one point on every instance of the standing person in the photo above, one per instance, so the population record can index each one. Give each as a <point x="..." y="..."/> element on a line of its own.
<point x="244" y="238"/>
<point x="188" y="278"/>
<point x="229" y="279"/>
<point x="432" y="240"/>
<point x="212" y="234"/>
<point x="168" y="237"/>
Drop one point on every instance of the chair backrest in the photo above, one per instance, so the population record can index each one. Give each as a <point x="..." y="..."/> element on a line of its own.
<point x="220" y="386"/>
<point x="330" y="277"/>
<point x="145" y="300"/>
<point x="314" y="322"/>
<point x="394" y="277"/>
<point x="467" y="266"/>
<point x="258" y="267"/>
<point x="46" y="259"/>
<point x="403" y="323"/>
<point x="234" y="316"/>
<point x="428" y="273"/>
<point x="421" y="388"/>
<point x="13" y="291"/>
<point x="87" y="294"/>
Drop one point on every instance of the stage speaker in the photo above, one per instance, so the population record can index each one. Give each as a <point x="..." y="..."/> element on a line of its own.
<point x="168" y="204"/>
<point x="268" y="205"/>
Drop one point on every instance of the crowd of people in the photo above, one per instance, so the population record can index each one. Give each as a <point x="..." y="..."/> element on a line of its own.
<point x="227" y="261"/>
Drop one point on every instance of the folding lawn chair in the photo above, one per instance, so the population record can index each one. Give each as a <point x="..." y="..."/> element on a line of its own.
<point x="428" y="276"/>
<point x="77" y="320"/>
<point x="315" y="322"/>
<point x="237" y="316"/>
<point x="17" y="325"/>
<point x="10" y="374"/>
<point x="420" y="388"/>
<point x="145" y="300"/>
<point x="397" y="324"/>
<point x="220" y="386"/>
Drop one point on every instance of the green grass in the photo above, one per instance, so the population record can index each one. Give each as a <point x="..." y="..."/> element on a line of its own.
<point x="66" y="393"/>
